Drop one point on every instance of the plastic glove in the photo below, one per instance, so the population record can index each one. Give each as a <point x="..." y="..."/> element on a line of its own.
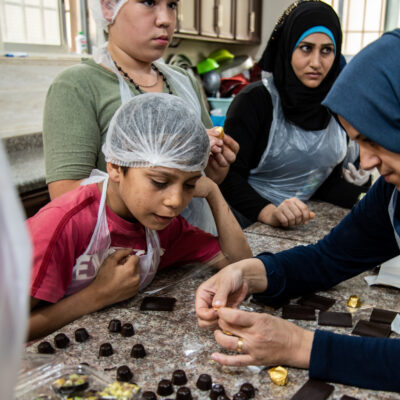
<point x="356" y="176"/>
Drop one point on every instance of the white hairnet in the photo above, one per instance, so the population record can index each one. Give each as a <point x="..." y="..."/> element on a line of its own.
<point x="157" y="129"/>
<point x="97" y="12"/>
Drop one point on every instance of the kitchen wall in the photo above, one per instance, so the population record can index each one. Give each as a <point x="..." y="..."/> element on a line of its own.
<point x="24" y="81"/>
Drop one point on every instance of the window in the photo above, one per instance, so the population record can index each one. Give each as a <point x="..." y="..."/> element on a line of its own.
<point x="364" y="21"/>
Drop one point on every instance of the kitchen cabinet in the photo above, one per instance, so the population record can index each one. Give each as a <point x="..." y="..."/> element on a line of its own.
<point x="34" y="201"/>
<point x="226" y="21"/>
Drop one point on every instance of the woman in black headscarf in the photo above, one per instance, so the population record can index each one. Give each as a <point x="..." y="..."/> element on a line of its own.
<point x="291" y="149"/>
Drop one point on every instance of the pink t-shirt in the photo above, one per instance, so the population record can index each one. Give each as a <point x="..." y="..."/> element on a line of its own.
<point x="61" y="232"/>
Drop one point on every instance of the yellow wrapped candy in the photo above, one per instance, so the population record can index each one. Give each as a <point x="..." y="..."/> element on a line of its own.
<point x="279" y="375"/>
<point x="220" y="129"/>
<point x="354" y="302"/>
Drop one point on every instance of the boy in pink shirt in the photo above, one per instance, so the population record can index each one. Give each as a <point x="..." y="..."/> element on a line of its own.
<point x="97" y="245"/>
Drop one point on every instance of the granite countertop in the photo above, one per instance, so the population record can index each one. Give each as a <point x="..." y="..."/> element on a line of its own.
<point x="174" y="341"/>
<point x="25" y="154"/>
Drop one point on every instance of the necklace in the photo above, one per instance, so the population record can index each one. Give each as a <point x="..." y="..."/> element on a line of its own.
<point x="137" y="87"/>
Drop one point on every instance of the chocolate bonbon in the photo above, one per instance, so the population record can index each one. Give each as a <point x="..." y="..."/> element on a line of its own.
<point x="81" y="335"/>
<point x="45" y="348"/>
<point x="223" y="397"/>
<point x="114" y="326"/>
<point x="149" y="396"/>
<point x="278" y="375"/>
<point x="240" y="396"/>
<point x="248" y="389"/>
<point x="124" y="374"/>
<point x="179" y="377"/>
<point x="165" y="387"/>
<point x="138" y="351"/>
<point x="354" y="301"/>
<point x="105" y="350"/>
<point x="184" y="393"/>
<point x="216" y="390"/>
<point x="204" y="382"/>
<point x="127" y="330"/>
<point x="61" y="341"/>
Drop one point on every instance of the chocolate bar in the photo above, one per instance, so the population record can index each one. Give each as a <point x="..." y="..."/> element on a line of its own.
<point x="331" y="318"/>
<point x="345" y="397"/>
<point x="294" y="311"/>
<point x="316" y="301"/>
<point x="371" y="329"/>
<point x="157" y="304"/>
<point x="315" y="390"/>
<point x="384" y="316"/>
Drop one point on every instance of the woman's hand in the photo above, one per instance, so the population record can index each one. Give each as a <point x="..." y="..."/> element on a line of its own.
<point x="118" y="278"/>
<point x="228" y="287"/>
<point x="290" y="212"/>
<point x="266" y="340"/>
<point x="356" y="176"/>
<point x="223" y="154"/>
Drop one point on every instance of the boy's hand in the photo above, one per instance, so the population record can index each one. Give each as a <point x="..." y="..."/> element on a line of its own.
<point x="204" y="186"/>
<point x="118" y="278"/>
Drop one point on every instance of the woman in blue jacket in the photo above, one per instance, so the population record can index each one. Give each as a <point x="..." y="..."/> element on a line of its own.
<point x="366" y="100"/>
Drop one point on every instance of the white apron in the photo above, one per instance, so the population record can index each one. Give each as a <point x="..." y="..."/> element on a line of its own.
<point x="99" y="248"/>
<point x="295" y="162"/>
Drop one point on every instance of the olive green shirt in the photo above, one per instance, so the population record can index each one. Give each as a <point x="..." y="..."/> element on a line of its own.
<point x="79" y="106"/>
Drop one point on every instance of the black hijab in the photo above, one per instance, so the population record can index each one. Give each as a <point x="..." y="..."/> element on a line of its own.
<point x="301" y="105"/>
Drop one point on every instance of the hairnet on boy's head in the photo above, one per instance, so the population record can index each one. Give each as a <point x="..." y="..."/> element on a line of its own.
<point x="97" y="13"/>
<point x="157" y="129"/>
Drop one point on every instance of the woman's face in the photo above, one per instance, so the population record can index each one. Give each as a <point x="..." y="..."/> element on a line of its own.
<point x="143" y="28"/>
<point x="312" y="59"/>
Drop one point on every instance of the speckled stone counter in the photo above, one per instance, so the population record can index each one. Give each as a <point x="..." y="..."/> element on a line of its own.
<point x="25" y="154"/>
<point x="326" y="217"/>
<point x="174" y="341"/>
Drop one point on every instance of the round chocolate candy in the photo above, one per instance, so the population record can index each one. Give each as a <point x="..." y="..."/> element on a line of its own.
<point x="81" y="335"/>
<point x="248" y="389"/>
<point x="184" y="393"/>
<point x="240" y="396"/>
<point x="216" y="390"/>
<point x="138" y="351"/>
<point x="223" y="397"/>
<point x="61" y="340"/>
<point x="45" y="348"/>
<point x="105" y="350"/>
<point x="165" y="387"/>
<point x="179" y="377"/>
<point x="124" y="374"/>
<point x="127" y="330"/>
<point x="204" y="382"/>
<point x="114" y="326"/>
<point x="149" y="396"/>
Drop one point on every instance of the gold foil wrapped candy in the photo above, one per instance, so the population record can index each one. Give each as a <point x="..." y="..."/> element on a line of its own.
<point x="279" y="375"/>
<point x="354" y="302"/>
<point x="220" y="129"/>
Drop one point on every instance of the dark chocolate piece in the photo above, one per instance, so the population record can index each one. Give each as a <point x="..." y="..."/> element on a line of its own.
<point x="157" y="304"/>
<point x="383" y="316"/>
<point x="216" y="390"/>
<point x="105" y="350"/>
<point x="332" y="318"/>
<point x="315" y="390"/>
<point x="223" y="397"/>
<point x="240" y="396"/>
<point x="127" y="330"/>
<point x="149" y="396"/>
<point x="316" y="301"/>
<point x="81" y="335"/>
<point x="293" y="311"/>
<point x="248" y="389"/>
<point x="138" y="351"/>
<point x="371" y="329"/>
<point x="61" y="340"/>
<point x="345" y="397"/>
<point x="114" y="326"/>
<point x="184" y="393"/>
<point x="179" y="377"/>
<point x="204" y="382"/>
<point x="270" y="303"/>
<point x="165" y="387"/>
<point x="124" y="374"/>
<point x="45" y="348"/>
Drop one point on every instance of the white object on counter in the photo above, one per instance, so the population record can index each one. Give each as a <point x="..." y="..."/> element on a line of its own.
<point x="389" y="274"/>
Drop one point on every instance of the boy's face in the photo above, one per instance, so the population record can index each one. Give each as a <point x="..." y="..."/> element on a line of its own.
<point x="154" y="196"/>
<point x="374" y="155"/>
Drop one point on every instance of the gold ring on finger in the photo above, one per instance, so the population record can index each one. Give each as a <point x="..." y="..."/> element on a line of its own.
<point x="239" y="347"/>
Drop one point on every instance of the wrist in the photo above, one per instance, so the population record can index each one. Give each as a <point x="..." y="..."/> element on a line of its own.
<point x="254" y="274"/>
<point x="266" y="215"/>
<point x="301" y="348"/>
